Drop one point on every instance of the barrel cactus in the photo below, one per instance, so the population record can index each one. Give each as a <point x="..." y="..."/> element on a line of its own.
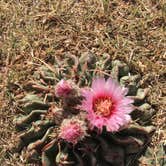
<point x="53" y="128"/>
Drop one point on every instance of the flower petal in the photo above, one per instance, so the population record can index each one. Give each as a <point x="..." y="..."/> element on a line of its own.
<point x="98" y="84"/>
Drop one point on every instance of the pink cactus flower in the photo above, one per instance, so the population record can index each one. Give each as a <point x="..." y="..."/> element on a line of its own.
<point x="106" y="105"/>
<point x="63" y="88"/>
<point x="73" y="130"/>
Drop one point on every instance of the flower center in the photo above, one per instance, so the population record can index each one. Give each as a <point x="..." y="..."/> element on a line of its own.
<point x="102" y="106"/>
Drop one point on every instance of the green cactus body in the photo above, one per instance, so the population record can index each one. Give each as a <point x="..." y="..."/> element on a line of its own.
<point x="44" y="112"/>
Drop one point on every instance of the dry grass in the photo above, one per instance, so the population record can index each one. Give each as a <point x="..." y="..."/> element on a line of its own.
<point x="127" y="29"/>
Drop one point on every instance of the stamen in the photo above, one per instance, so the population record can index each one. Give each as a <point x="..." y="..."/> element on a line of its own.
<point x="102" y="106"/>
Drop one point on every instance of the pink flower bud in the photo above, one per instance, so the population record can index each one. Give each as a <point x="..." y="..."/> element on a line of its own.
<point x="63" y="88"/>
<point x="73" y="130"/>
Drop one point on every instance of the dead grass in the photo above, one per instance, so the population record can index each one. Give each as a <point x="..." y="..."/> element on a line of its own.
<point x="127" y="29"/>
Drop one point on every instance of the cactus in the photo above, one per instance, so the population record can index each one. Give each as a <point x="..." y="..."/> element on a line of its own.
<point x="43" y="113"/>
<point x="156" y="158"/>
